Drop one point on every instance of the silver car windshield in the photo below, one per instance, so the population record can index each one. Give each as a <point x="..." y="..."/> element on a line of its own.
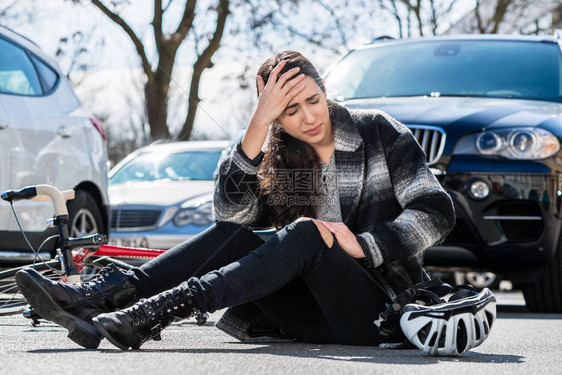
<point x="499" y="69"/>
<point x="178" y="166"/>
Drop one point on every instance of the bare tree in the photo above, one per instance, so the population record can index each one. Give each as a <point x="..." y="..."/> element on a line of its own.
<point x="391" y="7"/>
<point x="419" y="17"/>
<point x="507" y="16"/>
<point x="491" y="24"/>
<point x="320" y="24"/>
<point x="159" y="74"/>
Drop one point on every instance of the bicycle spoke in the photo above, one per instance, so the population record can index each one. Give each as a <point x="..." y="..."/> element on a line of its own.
<point x="11" y="300"/>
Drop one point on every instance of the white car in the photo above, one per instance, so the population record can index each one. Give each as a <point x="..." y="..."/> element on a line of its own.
<point x="162" y="194"/>
<point x="46" y="137"/>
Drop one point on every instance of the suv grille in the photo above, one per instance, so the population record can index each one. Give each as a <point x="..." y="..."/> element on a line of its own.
<point x="135" y="218"/>
<point x="431" y="140"/>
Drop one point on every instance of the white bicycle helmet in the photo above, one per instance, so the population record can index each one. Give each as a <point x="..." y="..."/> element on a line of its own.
<point x="450" y="327"/>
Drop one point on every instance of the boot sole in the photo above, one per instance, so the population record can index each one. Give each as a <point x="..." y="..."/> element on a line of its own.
<point x="79" y="331"/>
<point x="99" y="326"/>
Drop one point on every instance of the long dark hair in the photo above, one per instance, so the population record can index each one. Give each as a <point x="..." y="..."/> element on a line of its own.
<point x="288" y="161"/>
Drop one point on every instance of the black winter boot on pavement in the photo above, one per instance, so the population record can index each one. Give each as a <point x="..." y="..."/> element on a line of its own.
<point x="73" y="306"/>
<point x="132" y="327"/>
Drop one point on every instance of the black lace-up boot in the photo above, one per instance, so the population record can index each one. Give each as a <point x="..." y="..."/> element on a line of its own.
<point x="144" y="321"/>
<point x="73" y="306"/>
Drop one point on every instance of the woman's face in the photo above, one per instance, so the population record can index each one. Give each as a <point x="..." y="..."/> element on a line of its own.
<point x="306" y="117"/>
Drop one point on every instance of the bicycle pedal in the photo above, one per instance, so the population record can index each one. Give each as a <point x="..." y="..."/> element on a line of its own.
<point x="33" y="315"/>
<point x="201" y="318"/>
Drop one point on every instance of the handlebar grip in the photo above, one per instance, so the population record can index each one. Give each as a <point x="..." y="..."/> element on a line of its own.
<point x="17" y="195"/>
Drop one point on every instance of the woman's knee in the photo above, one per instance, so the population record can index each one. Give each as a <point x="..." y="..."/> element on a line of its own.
<point x="227" y="225"/>
<point x="324" y="232"/>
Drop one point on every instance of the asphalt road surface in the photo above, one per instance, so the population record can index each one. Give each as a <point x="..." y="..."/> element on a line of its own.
<point x="520" y="343"/>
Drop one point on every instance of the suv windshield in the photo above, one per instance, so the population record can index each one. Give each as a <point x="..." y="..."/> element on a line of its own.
<point x="178" y="166"/>
<point x="505" y="69"/>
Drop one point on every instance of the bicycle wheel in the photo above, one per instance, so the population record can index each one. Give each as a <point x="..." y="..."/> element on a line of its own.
<point x="11" y="300"/>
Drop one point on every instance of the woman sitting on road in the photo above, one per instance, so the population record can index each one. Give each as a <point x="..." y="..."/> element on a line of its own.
<point x="353" y="202"/>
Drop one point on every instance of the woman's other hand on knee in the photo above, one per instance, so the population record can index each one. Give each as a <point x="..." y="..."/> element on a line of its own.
<point x="345" y="237"/>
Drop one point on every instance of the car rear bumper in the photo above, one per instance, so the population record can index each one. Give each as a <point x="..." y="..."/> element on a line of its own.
<point x="15" y="250"/>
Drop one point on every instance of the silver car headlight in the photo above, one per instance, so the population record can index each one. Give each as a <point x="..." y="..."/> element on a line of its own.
<point x="200" y="215"/>
<point x="518" y="143"/>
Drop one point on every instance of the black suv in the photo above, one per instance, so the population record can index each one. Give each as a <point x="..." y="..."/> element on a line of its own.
<point x="488" y="112"/>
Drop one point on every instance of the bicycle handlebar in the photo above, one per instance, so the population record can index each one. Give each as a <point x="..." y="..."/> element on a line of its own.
<point x="42" y="193"/>
<point x="45" y="193"/>
<point x="28" y="192"/>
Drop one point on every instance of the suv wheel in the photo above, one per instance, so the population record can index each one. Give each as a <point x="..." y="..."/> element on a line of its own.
<point x="85" y="216"/>
<point x="546" y="294"/>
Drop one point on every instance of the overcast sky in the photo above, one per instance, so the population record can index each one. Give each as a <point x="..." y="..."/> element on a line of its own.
<point x="110" y="89"/>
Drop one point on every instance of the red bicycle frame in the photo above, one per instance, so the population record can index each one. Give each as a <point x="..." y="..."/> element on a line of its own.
<point x="80" y="256"/>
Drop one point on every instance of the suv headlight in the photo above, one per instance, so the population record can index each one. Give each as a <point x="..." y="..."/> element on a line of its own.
<point x="519" y="143"/>
<point x="200" y="215"/>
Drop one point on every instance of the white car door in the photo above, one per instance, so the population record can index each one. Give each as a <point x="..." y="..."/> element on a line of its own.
<point x="5" y="166"/>
<point x="44" y="143"/>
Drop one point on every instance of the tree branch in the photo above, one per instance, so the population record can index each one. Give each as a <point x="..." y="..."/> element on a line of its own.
<point x="186" y="20"/>
<point x="203" y="62"/>
<point x="157" y="25"/>
<point x="136" y="41"/>
<point x="478" y="17"/>
<point x="295" y="31"/>
<point x="434" y="17"/>
<point x="416" y="9"/>
<point x="499" y="14"/>
<point x="167" y="6"/>
<point x="337" y="21"/>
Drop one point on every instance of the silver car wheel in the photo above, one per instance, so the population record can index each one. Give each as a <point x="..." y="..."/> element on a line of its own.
<point x="84" y="224"/>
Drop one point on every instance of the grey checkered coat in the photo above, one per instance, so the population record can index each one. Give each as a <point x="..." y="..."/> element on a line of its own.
<point x="388" y="196"/>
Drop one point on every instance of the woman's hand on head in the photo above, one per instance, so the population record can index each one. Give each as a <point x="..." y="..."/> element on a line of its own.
<point x="273" y="98"/>
<point x="345" y="237"/>
<point x="276" y="95"/>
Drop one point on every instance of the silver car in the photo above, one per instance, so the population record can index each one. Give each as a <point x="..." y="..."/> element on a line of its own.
<point x="162" y="194"/>
<point x="46" y="137"/>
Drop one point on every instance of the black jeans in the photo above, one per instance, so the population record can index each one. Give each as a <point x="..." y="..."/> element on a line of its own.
<point x="312" y="292"/>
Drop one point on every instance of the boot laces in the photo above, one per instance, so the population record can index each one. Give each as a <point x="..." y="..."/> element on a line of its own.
<point x="103" y="274"/>
<point x="164" y="306"/>
<point x="138" y="314"/>
<point x="99" y="278"/>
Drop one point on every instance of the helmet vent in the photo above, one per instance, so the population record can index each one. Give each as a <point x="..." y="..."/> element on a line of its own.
<point x="486" y="329"/>
<point x="490" y="318"/>
<point x="433" y="338"/>
<point x="424" y="332"/>
<point x="477" y="329"/>
<point x="442" y="336"/>
<point x="462" y="337"/>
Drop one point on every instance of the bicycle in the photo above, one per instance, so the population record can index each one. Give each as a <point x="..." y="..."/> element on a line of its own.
<point x="74" y="255"/>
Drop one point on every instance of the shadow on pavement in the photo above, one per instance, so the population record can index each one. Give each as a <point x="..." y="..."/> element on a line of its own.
<point x="329" y="352"/>
<point x="529" y="315"/>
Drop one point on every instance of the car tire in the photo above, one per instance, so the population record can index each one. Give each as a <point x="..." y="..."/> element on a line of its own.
<point x="546" y="294"/>
<point x="84" y="215"/>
